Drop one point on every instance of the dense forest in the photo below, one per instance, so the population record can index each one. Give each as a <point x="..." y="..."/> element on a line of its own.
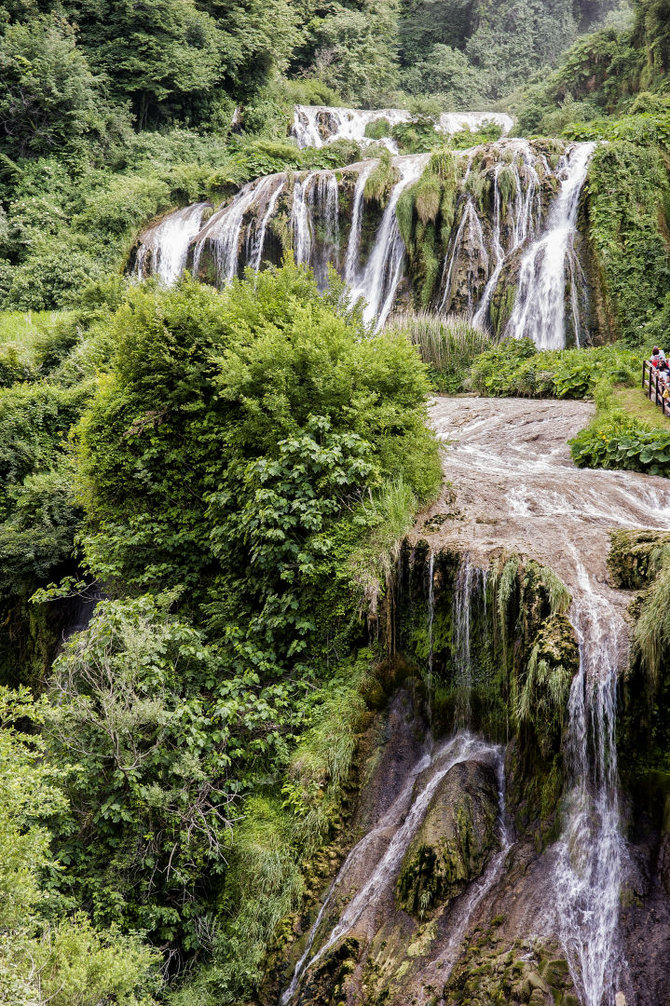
<point x="201" y="489"/>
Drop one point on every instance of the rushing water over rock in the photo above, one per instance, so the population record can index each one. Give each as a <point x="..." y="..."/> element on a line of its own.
<point x="384" y="846"/>
<point x="163" y="250"/>
<point x="591" y="849"/>
<point x="510" y="230"/>
<point x="509" y="465"/>
<point x="378" y="281"/>
<point x="540" y="304"/>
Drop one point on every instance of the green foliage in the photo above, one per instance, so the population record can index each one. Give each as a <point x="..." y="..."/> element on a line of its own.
<point x="70" y="962"/>
<point x="353" y="47"/>
<point x="628" y="201"/>
<point x="516" y="367"/>
<point x="466" y="138"/>
<point x="29" y="789"/>
<point x="151" y="801"/>
<point x="284" y="385"/>
<point x="425" y="214"/>
<point x="616" y="441"/>
<point x="381" y="180"/>
<point x="49" y="99"/>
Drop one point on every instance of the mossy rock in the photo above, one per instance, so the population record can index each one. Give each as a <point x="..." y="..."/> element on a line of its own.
<point x="455" y="841"/>
<point x="326" y="983"/>
<point x="636" y="557"/>
<point x="492" y="972"/>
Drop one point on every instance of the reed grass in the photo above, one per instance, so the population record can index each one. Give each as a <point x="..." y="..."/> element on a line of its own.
<point x="447" y="345"/>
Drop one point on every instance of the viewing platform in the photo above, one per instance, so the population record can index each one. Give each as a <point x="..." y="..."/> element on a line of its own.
<point x="656" y="390"/>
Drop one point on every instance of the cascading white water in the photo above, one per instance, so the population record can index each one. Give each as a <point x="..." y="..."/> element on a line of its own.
<point x="470" y="233"/>
<point x="403" y="819"/>
<point x="353" y="246"/>
<point x="591" y="849"/>
<point x="510" y="461"/>
<point x="318" y="125"/>
<point x="539" y="310"/>
<point x="164" y="247"/>
<point x="301" y="222"/>
<point x="222" y="232"/>
<point x="465" y="909"/>
<point x="462" y="665"/>
<point x="255" y="250"/>
<point x="431" y="623"/>
<point x="378" y="283"/>
<point x="526" y="212"/>
<point x="455" y="122"/>
<point x="481" y="248"/>
<point x="478" y="252"/>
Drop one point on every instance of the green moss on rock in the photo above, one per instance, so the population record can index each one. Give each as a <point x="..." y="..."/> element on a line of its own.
<point x="635" y="557"/>
<point x="454" y="842"/>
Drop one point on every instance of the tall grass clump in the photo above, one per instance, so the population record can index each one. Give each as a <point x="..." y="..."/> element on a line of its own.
<point x="652" y="631"/>
<point x="447" y="346"/>
<point x="382" y="179"/>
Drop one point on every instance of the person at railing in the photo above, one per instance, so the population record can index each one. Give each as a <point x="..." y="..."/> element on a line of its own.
<point x="657" y="356"/>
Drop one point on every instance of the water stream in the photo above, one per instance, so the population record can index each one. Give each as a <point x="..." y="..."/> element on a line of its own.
<point x="509" y="463"/>
<point x="507" y="223"/>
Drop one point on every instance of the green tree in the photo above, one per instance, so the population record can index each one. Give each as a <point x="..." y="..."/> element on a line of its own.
<point x="49" y="97"/>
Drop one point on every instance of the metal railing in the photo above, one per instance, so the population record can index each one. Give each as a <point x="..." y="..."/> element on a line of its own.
<point x="653" y="388"/>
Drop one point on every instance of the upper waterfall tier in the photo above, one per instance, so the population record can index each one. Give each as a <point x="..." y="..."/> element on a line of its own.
<point x="316" y="125"/>
<point x="500" y="220"/>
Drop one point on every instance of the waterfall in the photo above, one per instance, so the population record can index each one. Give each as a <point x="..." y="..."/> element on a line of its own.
<point x="539" y="311"/>
<point x="591" y="849"/>
<point x="526" y="211"/>
<point x="164" y="247"/>
<point x="301" y="221"/>
<point x="484" y="249"/>
<point x="354" y="244"/>
<point x="402" y="821"/>
<point x="380" y="278"/>
<point x="462" y="664"/>
<point x="324" y="212"/>
<point x="224" y="229"/>
<point x="499" y="230"/>
<point x="318" y="125"/>
<point x="464" y="911"/>
<point x="431" y="622"/>
<point x="454" y="122"/>
<point x="255" y="249"/>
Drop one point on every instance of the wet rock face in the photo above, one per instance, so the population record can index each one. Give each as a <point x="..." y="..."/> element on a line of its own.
<point x="454" y="843"/>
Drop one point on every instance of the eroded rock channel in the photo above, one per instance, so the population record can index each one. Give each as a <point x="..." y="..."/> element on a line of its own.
<point x="492" y="857"/>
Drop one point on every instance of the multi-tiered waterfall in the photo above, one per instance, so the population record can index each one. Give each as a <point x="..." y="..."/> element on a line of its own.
<point x="509" y="258"/>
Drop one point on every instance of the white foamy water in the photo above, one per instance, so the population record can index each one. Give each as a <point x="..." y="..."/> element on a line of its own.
<point x="378" y="282"/>
<point x="539" y="310"/>
<point x="591" y="849"/>
<point x="163" y="249"/>
<point x="318" y="125"/>
<point x="486" y="240"/>
<point x="509" y="464"/>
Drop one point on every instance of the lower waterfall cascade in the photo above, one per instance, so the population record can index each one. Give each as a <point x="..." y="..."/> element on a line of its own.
<point x="510" y="260"/>
<point x="448" y="580"/>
